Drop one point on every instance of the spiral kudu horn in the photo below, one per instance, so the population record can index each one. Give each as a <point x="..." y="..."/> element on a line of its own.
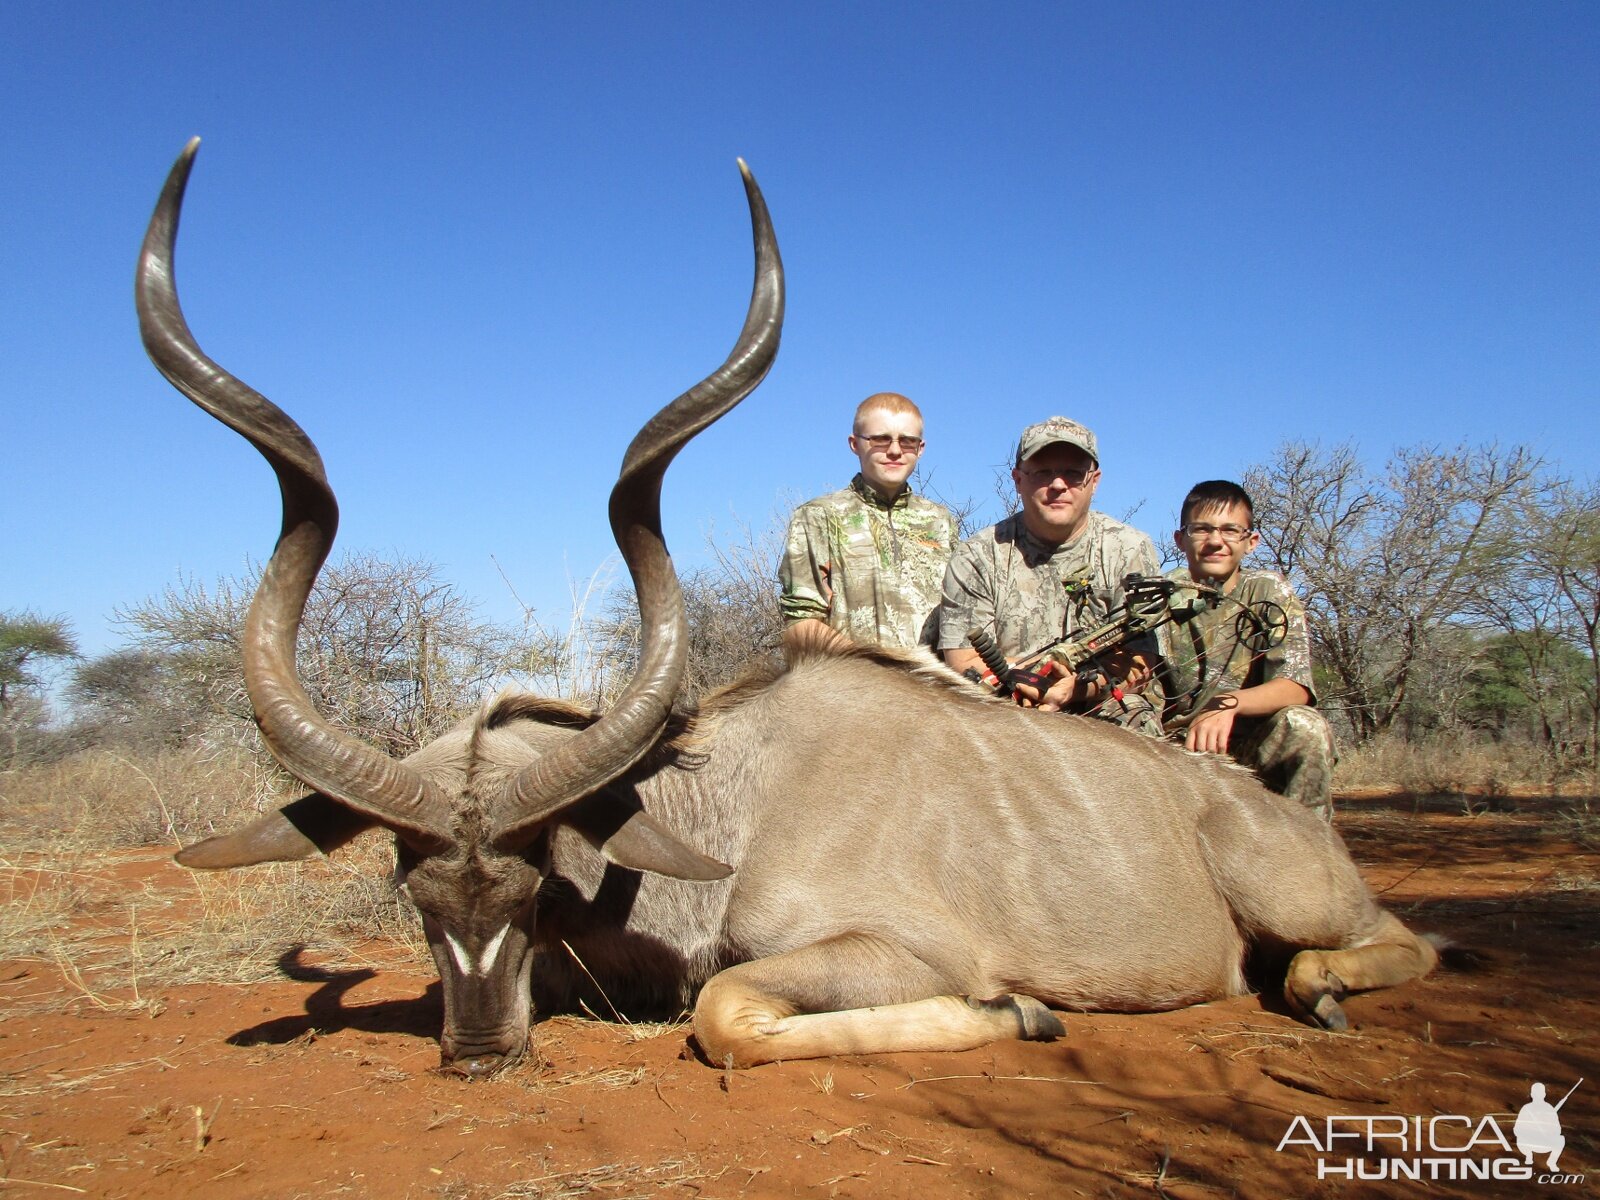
<point x="619" y="739"/>
<point x="358" y="776"/>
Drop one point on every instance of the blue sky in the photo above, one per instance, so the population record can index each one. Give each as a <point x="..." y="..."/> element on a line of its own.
<point x="471" y="248"/>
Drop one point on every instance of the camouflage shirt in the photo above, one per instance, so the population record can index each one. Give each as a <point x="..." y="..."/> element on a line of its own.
<point x="1028" y="593"/>
<point x="871" y="569"/>
<point x="1205" y="653"/>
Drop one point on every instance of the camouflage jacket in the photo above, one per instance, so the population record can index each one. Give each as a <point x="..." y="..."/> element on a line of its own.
<point x="870" y="569"/>
<point x="1205" y="653"/>
<point x="1028" y="593"/>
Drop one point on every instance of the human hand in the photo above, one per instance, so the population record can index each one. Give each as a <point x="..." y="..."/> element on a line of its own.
<point x="1213" y="725"/>
<point x="1129" y="666"/>
<point x="1060" y="693"/>
<point x="1048" y="696"/>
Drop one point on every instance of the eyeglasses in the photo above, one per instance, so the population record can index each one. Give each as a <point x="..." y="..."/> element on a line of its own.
<point x="1073" y="477"/>
<point x="882" y="441"/>
<point x="1228" y="533"/>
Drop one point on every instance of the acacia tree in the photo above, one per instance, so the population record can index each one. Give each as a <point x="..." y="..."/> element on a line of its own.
<point x="26" y="639"/>
<point x="1571" y="552"/>
<point x="1548" y="604"/>
<point x="732" y="610"/>
<point x="1384" y="562"/>
<point x="1526" y="685"/>
<point x="141" y="698"/>
<point x="387" y="652"/>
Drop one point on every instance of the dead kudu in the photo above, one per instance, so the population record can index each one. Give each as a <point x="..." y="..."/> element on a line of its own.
<point x="915" y="865"/>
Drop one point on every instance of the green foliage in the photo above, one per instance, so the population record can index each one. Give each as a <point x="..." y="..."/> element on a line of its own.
<point x="26" y="637"/>
<point x="1545" y="605"/>
<point x="1517" y="685"/>
<point x="1498" y="687"/>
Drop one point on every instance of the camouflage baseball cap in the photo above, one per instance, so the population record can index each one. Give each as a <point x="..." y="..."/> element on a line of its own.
<point x="1057" y="429"/>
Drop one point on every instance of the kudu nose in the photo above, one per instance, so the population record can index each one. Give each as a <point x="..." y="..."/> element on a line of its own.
<point x="480" y="1066"/>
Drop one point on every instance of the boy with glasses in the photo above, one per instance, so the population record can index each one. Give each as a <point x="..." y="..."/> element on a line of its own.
<point x="1227" y="698"/>
<point x="867" y="561"/>
<point x="1051" y="570"/>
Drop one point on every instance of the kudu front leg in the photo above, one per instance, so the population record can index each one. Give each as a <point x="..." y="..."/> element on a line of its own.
<point x="854" y="994"/>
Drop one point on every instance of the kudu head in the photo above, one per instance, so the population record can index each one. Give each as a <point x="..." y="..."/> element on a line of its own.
<point x="473" y="813"/>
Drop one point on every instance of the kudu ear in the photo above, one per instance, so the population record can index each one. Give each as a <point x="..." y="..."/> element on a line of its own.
<point x="630" y="837"/>
<point x="296" y="830"/>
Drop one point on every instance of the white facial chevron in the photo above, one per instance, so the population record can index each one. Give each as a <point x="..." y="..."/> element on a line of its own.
<point x="485" y="960"/>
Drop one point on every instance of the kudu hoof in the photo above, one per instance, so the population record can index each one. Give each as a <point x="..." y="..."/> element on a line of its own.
<point x="1039" y="1024"/>
<point x="1317" y="999"/>
<point x="1330" y="1014"/>
<point x="1035" y="1022"/>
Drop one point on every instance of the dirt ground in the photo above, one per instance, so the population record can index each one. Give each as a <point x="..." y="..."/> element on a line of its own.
<point x="323" y="1083"/>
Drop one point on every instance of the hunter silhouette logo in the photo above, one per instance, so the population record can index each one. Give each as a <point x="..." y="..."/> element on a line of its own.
<point x="1538" y="1128"/>
<point x="1448" y="1146"/>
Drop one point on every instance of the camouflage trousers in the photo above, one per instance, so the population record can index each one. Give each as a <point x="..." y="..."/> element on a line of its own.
<point x="1133" y="712"/>
<point x="1292" y="751"/>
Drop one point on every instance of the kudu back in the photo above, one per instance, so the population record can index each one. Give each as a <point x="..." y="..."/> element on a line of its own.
<point x="856" y="852"/>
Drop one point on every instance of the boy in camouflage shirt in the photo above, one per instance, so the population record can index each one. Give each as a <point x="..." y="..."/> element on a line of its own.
<point x="1226" y="699"/>
<point x="868" y="559"/>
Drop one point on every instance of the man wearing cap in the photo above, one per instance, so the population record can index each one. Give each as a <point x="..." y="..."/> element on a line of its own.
<point x="1048" y="571"/>
<point x="868" y="560"/>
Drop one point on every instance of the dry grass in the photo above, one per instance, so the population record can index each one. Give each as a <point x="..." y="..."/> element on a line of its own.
<point x="617" y="1181"/>
<point x="1453" y="765"/>
<point x="117" y="943"/>
<point x="78" y="897"/>
<point x="37" y="1080"/>
<point x="1580" y="824"/>
<point x="103" y="799"/>
<point x="37" y="904"/>
<point x="1237" y="1040"/>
